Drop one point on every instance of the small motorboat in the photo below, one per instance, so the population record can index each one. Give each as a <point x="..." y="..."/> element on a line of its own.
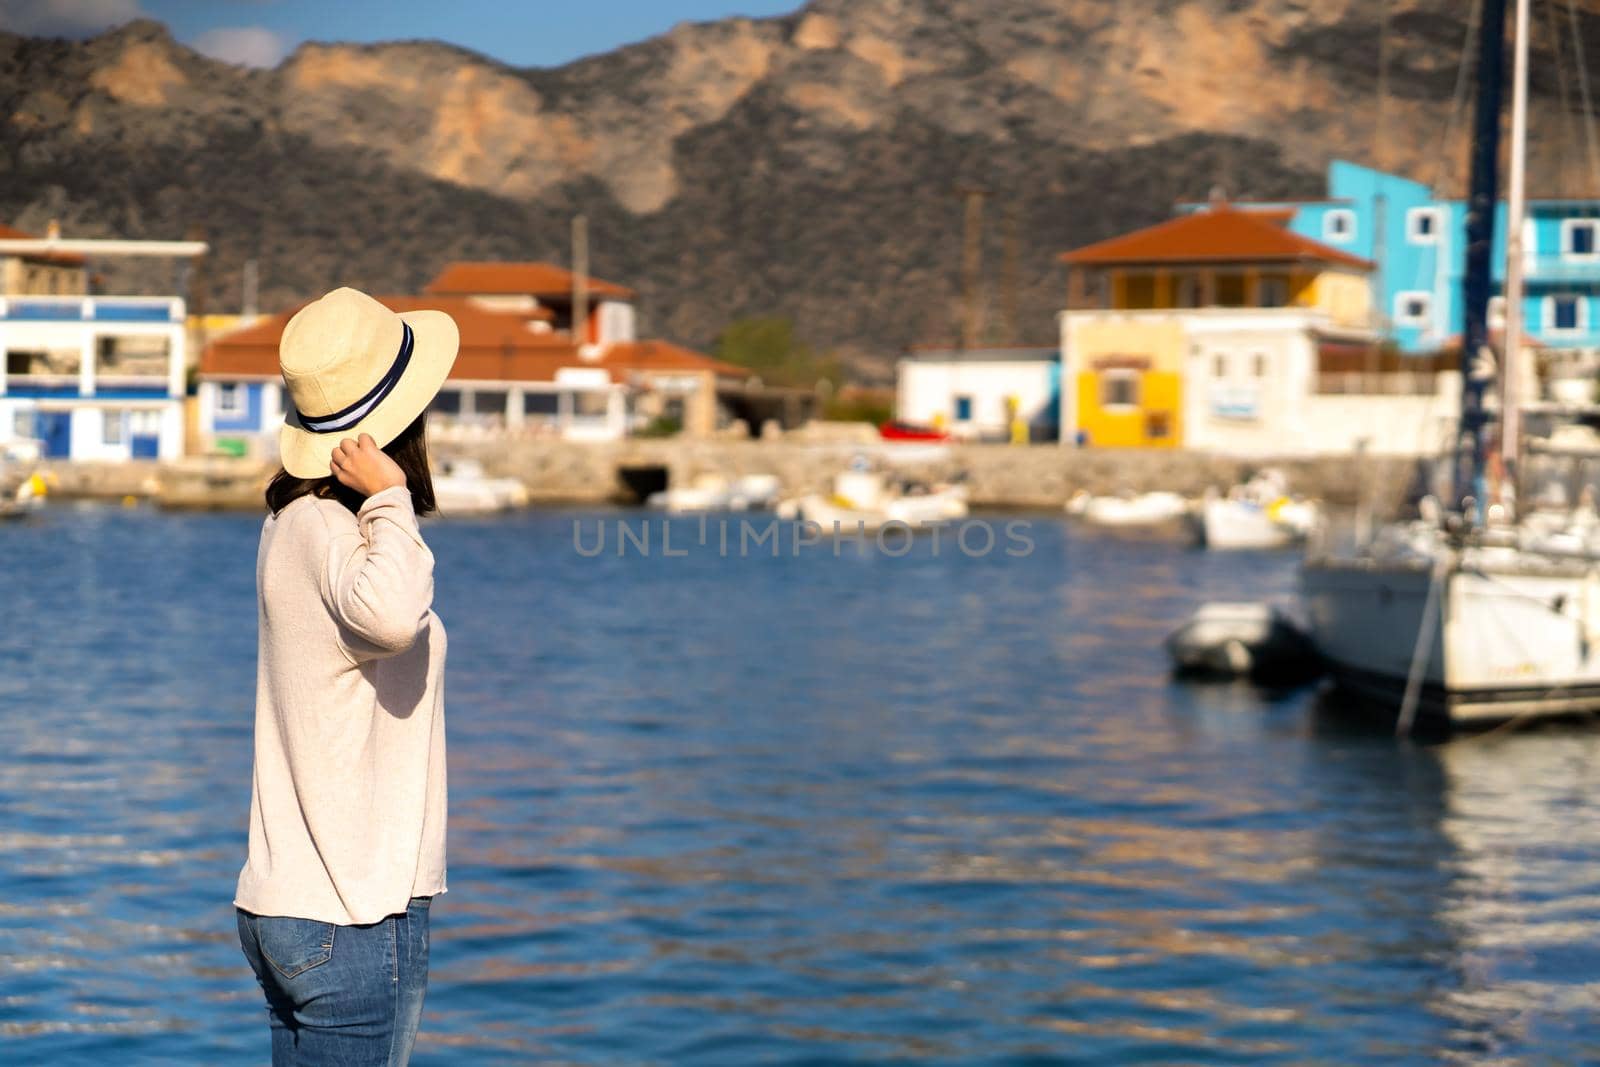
<point x="713" y="492"/>
<point x="462" y="488"/>
<point x="1129" y="511"/>
<point x="1257" y="514"/>
<point x="865" y="500"/>
<point x="27" y="498"/>
<point x="1243" y="640"/>
<point x="895" y="430"/>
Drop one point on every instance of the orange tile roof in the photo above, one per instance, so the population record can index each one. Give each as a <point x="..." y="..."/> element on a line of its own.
<point x="64" y="259"/>
<point x="1221" y="235"/>
<point x="496" y="346"/>
<point x="665" y="356"/>
<point x="506" y="279"/>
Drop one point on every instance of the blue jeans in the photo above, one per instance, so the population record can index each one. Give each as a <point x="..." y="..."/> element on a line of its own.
<point x="340" y="996"/>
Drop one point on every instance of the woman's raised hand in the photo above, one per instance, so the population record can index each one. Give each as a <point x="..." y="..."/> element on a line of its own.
<point x="365" y="467"/>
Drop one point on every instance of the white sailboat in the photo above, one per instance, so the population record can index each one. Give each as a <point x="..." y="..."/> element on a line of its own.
<point x="1470" y="617"/>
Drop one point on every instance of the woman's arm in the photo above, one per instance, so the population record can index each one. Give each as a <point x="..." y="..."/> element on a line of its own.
<point x="378" y="581"/>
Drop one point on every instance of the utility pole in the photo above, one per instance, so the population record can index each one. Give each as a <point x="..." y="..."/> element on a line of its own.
<point x="251" y="283"/>
<point x="580" y="279"/>
<point x="194" y="289"/>
<point x="1380" y="125"/>
<point x="971" y="265"/>
<point x="1012" y="274"/>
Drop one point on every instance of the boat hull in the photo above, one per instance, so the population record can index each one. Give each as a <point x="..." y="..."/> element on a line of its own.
<point x="1233" y="524"/>
<point x="1506" y="644"/>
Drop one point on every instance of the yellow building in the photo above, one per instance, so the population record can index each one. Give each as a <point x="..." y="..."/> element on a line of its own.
<point x="1132" y="300"/>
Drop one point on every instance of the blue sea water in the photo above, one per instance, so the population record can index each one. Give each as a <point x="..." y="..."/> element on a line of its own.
<point x="810" y="809"/>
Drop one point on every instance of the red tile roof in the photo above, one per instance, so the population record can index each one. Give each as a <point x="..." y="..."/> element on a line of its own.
<point x="1221" y="235"/>
<point x="496" y="346"/>
<point x="508" y="279"/>
<point x="63" y="259"/>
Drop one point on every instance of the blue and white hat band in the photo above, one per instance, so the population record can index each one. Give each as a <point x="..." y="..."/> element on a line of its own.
<point x="344" y="419"/>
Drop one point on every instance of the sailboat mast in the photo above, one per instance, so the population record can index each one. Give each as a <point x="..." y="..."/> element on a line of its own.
<point x="1516" y="209"/>
<point x="1482" y="194"/>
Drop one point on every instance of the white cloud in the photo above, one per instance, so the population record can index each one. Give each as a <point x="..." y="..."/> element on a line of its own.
<point x="248" y="46"/>
<point x="65" y="18"/>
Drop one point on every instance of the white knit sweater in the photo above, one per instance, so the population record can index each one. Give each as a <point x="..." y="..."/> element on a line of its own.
<point x="347" y="812"/>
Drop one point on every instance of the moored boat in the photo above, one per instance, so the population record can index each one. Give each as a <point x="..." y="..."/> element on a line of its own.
<point x="1239" y="640"/>
<point x="713" y="492"/>
<point x="866" y="500"/>
<point x="1473" y="615"/>
<point x="462" y="488"/>
<point x="1258" y="514"/>
<point x="1130" y="511"/>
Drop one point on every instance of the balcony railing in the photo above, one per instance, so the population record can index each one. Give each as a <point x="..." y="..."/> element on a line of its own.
<point x="130" y="309"/>
<point x="1564" y="269"/>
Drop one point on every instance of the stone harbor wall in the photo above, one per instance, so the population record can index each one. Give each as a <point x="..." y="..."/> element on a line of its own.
<point x="997" y="476"/>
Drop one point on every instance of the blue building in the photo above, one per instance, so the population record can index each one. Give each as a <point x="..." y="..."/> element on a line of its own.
<point x="1418" y="243"/>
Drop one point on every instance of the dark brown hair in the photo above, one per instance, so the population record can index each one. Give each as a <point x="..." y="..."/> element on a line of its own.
<point x="410" y="453"/>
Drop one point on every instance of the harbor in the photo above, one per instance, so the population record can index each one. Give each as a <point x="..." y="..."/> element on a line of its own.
<point x="969" y="533"/>
<point x="828" y="848"/>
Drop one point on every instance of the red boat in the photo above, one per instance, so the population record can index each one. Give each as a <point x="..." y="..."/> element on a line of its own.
<point x="894" y="430"/>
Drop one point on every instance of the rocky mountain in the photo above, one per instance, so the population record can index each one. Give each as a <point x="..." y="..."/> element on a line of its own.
<point x="807" y="165"/>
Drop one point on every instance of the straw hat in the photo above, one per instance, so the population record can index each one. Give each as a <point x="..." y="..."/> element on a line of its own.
<point x="352" y="366"/>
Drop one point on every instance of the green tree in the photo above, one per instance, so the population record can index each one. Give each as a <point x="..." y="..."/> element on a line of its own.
<point x="768" y="346"/>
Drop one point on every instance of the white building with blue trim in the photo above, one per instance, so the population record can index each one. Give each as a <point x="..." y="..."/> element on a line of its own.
<point x="88" y="377"/>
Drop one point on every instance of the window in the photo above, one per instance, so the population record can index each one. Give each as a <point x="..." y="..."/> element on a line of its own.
<point x="1566" y="313"/>
<point x="230" y="399"/>
<point x="144" y="423"/>
<point x="1092" y="288"/>
<point x="1423" y="225"/>
<point x="447" y="402"/>
<point x="540" y="403"/>
<point x="1139" y="292"/>
<point x="1580" y="238"/>
<point x="1258" y="365"/>
<point x="590" y="403"/>
<point x="489" y="403"/>
<point x="111" y="432"/>
<point x="1190" y="290"/>
<point x="1339" y="225"/>
<point x="963" y="408"/>
<point x="1119" y="389"/>
<point x="1219" y="365"/>
<point x="23" y="424"/>
<point x="1272" y="291"/>
<point x="1231" y="291"/>
<point x="1412" y="308"/>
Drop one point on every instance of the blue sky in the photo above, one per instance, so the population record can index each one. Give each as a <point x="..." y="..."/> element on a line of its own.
<point x="259" y="32"/>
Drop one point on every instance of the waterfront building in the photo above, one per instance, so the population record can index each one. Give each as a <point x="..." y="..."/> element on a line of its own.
<point x="87" y="377"/>
<point x="1225" y="330"/>
<point x="982" y="394"/>
<point x="1416" y="243"/>
<point x="520" y="369"/>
